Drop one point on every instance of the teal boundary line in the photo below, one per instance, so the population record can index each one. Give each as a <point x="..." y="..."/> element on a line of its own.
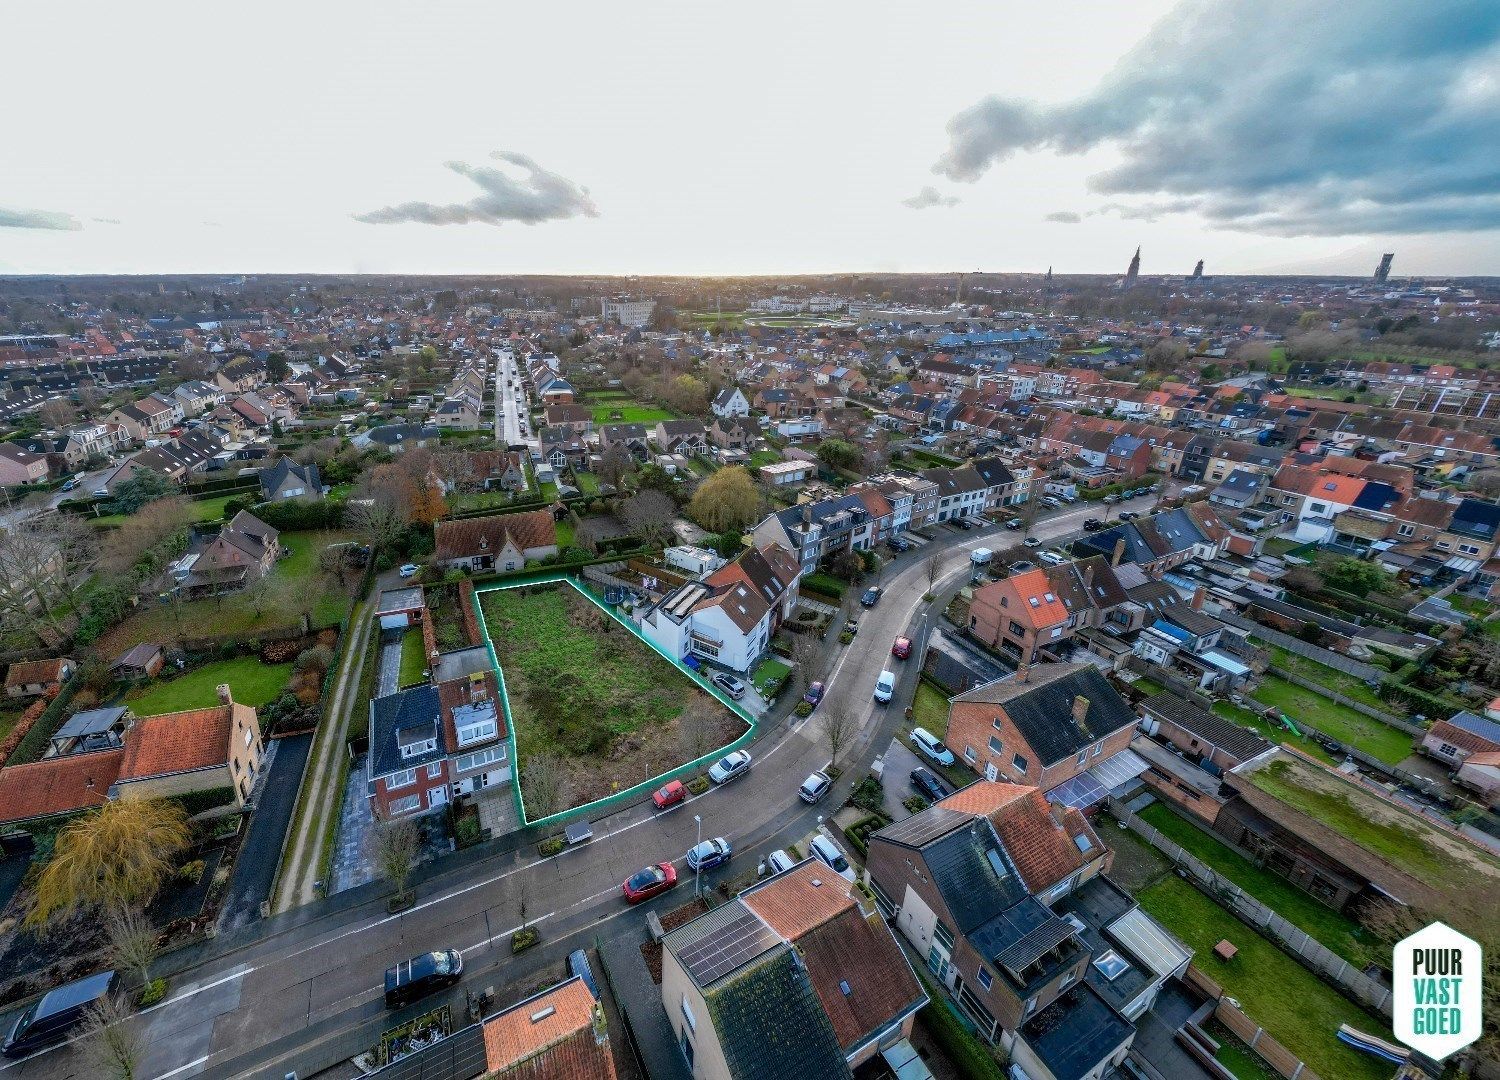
<point x="631" y="793"/>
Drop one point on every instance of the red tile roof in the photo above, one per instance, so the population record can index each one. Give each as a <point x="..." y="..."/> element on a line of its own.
<point x="58" y="785"/>
<point x="467" y="537"/>
<point x="35" y="671"/>
<point x="548" y="1037"/>
<point x="179" y="742"/>
<point x="1459" y="737"/>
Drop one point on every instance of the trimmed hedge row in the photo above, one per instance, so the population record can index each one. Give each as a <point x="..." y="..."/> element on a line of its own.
<point x="34" y="744"/>
<point x="823" y="584"/>
<point x="968" y="1055"/>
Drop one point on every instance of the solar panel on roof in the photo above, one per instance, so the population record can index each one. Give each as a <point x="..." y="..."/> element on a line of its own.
<point x="723" y="950"/>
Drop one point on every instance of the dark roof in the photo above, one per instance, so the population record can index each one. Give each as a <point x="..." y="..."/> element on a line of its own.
<point x="924" y="827"/>
<point x="1035" y="943"/>
<point x="1075" y="1033"/>
<point x="993" y="471"/>
<point x="1476" y="519"/>
<point x="770" y="1023"/>
<point x="1239" y="743"/>
<point x="401" y="719"/>
<point x="1042" y="708"/>
<point x="963" y="873"/>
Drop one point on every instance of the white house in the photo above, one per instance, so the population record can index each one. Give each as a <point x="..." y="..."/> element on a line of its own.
<point x="731" y="402"/>
<point x="729" y="617"/>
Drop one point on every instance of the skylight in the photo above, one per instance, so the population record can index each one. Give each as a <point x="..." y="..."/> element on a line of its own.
<point x="1111" y="965"/>
<point x="1083" y="843"/>
<point x="996" y="863"/>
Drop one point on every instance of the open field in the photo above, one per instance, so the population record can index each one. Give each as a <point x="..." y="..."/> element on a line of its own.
<point x="250" y="681"/>
<point x="1336" y="721"/>
<point x="584" y="688"/>
<point x="1336" y="931"/>
<point x="1298" y="1009"/>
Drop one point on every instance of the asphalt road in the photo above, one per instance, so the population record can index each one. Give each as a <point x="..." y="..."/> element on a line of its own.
<point x="294" y="998"/>
<point x="510" y="404"/>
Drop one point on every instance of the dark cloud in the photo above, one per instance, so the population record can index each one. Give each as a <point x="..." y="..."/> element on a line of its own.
<point x="1067" y="217"/>
<point x="538" y="196"/>
<point x="930" y="196"/>
<point x="38" y="219"/>
<point x="1285" y="117"/>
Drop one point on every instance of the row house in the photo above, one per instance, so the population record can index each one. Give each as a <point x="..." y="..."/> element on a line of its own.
<point x="961" y="492"/>
<point x="734" y="433"/>
<point x="197" y="397"/>
<point x="729" y="617"/>
<point x="142" y="420"/>
<point x="816" y="531"/>
<point x="1005" y="484"/>
<point x="1157" y="543"/>
<point x="1041" y="609"/>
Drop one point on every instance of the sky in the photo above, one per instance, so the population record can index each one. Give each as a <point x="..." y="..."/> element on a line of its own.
<point x="1284" y="136"/>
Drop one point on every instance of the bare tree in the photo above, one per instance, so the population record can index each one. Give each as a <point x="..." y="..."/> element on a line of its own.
<point x="933" y="568"/>
<point x="397" y="845"/>
<point x="544" y="785"/>
<point x="112" y="1045"/>
<point x="377" y="521"/>
<point x="649" y="515"/>
<point x="616" y="465"/>
<point x="132" y="942"/>
<point x="695" y="730"/>
<point x="807" y="656"/>
<point x="152" y="528"/>
<point x="838" y="726"/>
<point x="57" y="413"/>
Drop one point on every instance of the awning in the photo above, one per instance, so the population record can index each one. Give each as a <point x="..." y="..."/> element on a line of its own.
<point x="1087" y="788"/>
<point x="1223" y="662"/>
<point x="905" y="1062"/>
<point x="1143" y="937"/>
<point x="1463" y="566"/>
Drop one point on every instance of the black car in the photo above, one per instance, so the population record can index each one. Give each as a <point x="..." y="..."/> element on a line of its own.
<point x="1093" y="524"/>
<point x="49" y="1019"/>
<point x="420" y="976"/>
<point x="962" y="523"/>
<point x="929" y="786"/>
<point x="871" y="596"/>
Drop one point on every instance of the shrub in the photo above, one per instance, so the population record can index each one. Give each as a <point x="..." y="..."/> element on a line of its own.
<point x="823" y="584"/>
<point x="191" y="873"/>
<point x="858" y="832"/>
<point x="550" y="846"/>
<point x="804" y="708"/>
<point x="278" y="652"/>
<point x="698" y="785"/>
<point x="845" y="637"/>
<point x="522" y="940"/>
<point x="868" y="795"/>
<point x="968" y="1055"/>
<point x="319" y="658"/>
<point x="914" y="803"/>
<point x="151" y="993"/>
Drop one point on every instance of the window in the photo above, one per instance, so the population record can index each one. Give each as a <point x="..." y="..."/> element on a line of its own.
<point x="943" y="936"/>
<point x="1111" y="965"/>
<point x="1097" y="747"/>
<point x="1068" y="980"/>
<point x="405" y="805"/>
<point x="434" y="770"/>
<point x="1017" y="630"/>
<point x="401" y="779"/>
<point x="995" y="745"/>
<point x="1020" y="763"/>
<point x="249" y="736"/>
<point x="490" y="755"/>
<point x="969" y="754"/>
<point x="1083" y="756"/>
<point x="480" y="729"/>
<point x="418" y="749"/>
<point x="995" y="723"/>
<point x="687" y="1014"/>
<point x="985" y="979"/>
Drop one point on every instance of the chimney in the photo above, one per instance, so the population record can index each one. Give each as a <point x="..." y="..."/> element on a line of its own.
<point x="1197" y="601"/>
<point x="1114" y="560"/>
<point x="1080" y="709"/>
<point x="1088" y="574"/>
<point x="224" y="696"/>
<point x="1022" y="672"/>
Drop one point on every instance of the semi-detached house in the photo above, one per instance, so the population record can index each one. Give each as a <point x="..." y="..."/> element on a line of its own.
<point x="730" y="617"/>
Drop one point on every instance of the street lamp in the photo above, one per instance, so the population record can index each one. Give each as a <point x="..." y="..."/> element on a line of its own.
<point x="698" y="863"/>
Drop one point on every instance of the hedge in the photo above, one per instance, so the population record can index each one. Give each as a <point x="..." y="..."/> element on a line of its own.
<point x="197" y="802"/>
<point x="825" y="584"/>
<point x="296" y="515"/>
<point x="34" y="745"/>
<point x="969" y="1056"/>
<point x="857" y="831"/>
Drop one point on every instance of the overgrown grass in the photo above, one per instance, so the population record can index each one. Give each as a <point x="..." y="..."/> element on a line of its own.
<point x="1299" y="1010"/>
<point x="1379" y="740"/>
<point x="250" y="681"/>
<point x="930" y="710"/>
<point x="1339" y="682"/>
<point x="1336" y="931"/>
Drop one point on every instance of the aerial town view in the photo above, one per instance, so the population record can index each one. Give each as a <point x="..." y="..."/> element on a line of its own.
<point x="751" y="544"/>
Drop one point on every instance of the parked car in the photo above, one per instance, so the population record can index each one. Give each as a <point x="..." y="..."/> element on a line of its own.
<point x="928" y="785"/>
<point x="1110" y="500"/>
<point x="962" y="523"/>
<point x="899" y="545"/>
<point x="815" y="787"/>
<point x="1093" y="524"/>
<point x="1014" y="523"/>
<point x="1031" y="541"/>
<point x="57" y="1012"/>
<point x="885" y="686"/>
<point x="709" y="854"/>
<point x="901" y="648"/>
<point x="729" y="684"/>
<point x="814" y="694"/>
<point x="69" y="484"/>
<point x="1128" y="515"/>
<point x="780" y="861"/>
<point x="669" y="795"/>
<point x="1050" y="558"/>
<point x="578" y="965"/>
<point x="1049" y="501"/>
<point x="730" y="767"/>
<point x="421" y="975"/>
<point x="871" y="596"/>
<point x="101" y="493"/>
<point x="409" y="569"/>
<point x="928" y="743"/>
<point x="653" y="880"/>
<point x="828" y="853"/>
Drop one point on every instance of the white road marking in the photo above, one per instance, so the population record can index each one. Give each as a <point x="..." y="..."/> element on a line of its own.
<point x="183" y="1068"/>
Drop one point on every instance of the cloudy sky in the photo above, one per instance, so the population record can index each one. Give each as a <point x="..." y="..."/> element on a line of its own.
<point x="431" y="137"/>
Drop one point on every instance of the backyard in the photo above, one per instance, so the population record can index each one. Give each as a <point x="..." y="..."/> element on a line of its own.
<point x="1334" y="930"/>
<point x="1299" y="1010"/>
<point x="623" y="413"/>
<point x="413" y="657"/>
<point x="1271" y="731"/>
<point x="250" y="681"/>
<point x="201" y="509"/>
<point x="584" y="688"/>
<point x="1375" y="738"/>
<point x="1340" y="682"/>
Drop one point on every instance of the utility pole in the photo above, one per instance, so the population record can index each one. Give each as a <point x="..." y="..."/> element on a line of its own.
<point x="697" y="869"/>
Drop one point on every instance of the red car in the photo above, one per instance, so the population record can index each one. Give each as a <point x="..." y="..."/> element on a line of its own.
<point x="647" y="883"/>
<point x="670" y="795"/>
<point x="902" y="648"/>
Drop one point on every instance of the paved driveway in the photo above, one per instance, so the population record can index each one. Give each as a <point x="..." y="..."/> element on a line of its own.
<point x="255" y="869"/>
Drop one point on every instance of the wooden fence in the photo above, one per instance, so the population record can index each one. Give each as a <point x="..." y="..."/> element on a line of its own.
<point x="1247" y="1030"/>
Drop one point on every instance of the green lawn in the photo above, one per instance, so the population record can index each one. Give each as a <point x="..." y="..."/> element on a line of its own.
<point x="565" y="534"/>
<point x="1148" y="686"/>
<point x="764" y="457"/>
<point x="930" y="710"/>
<point x="1470" y="605"/>
<point x="1272" y="731"/>
<point x="1338" y="932"/>
<point x="549" y="491"/>
<point x="1379" y="740"/>
<point x="202" y="510"/>
<point x="302" y="565"/>
<point x="413" y="658"/>
<point x="768" y="675"/>
<point x="631" y="414"/>
<point x="588" y="483"/>
<point x="1339" y="682"/>
<point x="251" y="681"/>
<point x="1298" y="1009"/>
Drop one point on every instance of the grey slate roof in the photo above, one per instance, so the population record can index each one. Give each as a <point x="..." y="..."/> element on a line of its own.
<point x="770" y="1023"/>
<point x="1042" y="710"/>
<point x="400" y="719"/>
<point x="962" y="872"/>
<point x="1210" y="727"/>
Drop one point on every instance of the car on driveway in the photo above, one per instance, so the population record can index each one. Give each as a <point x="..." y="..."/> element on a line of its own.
<point x="901" y="648"/>
<point x="814" y="694"/>
<point x="1014" y="523"/>
<point x="815" y="787"/>
<point x="1031" y="541"/>
<point x="899" y="545"/>
<point x="729" y="684"/>
<point x="409" y="569"/>
<point x="885" y="686"/>
<point x="928" y="785"/>
<point x="828" y="853"/>
<point x="578" y="966"/>
<point x="709" y="854"/>
<point x="669" y="795"/>
<point x="871" y="596"/>
<point x="652" y="881"/>
<point x="962" y="523"/>
<point x="421" y="975"/>
<point x="730" y="767"/>
<point x="929" y="744"/>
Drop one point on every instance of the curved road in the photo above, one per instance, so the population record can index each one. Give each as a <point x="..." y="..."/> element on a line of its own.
<point x="304" y="992"/>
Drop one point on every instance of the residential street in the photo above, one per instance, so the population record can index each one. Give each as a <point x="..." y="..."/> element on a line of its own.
<point x="310" y="979"/>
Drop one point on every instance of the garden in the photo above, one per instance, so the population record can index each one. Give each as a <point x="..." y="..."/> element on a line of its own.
<point x="1375" y="738"/>
<point x="595" y="709"/>
<point x="251" y="681"/>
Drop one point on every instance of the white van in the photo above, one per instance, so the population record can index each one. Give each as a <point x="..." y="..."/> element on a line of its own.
<point x="981" y="556"/>
<point x="885" y="686"/>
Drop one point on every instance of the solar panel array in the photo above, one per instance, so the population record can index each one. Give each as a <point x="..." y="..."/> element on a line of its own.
<point x="922" y="828"/>
<point x="722" y="950"/>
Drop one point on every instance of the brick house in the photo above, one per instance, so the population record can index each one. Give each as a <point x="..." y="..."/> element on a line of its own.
<point x="498" y="542"/>
<point x="686" y="437"/>
<point x="19" y="465"/>
<point x="1453" y="740"/>
<point x="559" y="1033"/>
<point x="1019" y="615"/>
<point x="1044" y="725"/>
<point x="579" y="419"/>
<point x="734" y="433"/>
<point x="243" y="552"/>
